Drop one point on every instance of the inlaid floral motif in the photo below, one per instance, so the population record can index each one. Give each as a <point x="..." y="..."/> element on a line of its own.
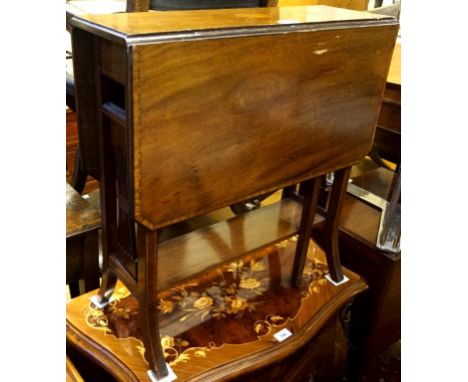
<point x="166" y="306"/>
<point x="262" y="327"/>
<point x="203" y="302"/>
<point x="240" y="296"/>
<point x="235" y="304"/>
<point x="249" y="283"/>
<point x="232" y="292"/>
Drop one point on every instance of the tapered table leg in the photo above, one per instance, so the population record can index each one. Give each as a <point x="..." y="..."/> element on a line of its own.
<point x="337" y="193"/>
<point x="147" y="298"/>
<point x="311" y="190"/>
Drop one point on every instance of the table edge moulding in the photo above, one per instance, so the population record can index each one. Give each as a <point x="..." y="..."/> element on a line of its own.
<point x="148" y="27"/>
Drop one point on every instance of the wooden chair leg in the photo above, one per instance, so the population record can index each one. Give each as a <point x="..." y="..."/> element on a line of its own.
<point x="287" y="191"/>
<point x="78" y="181"/>
<point x="108" y="282"/>
<point x="108" y="199"/>
<point x="310" y="190"/>
<point x="74" y="288"/>
<point x="375" y="156"/>
<point x="337" y="193"/>
<point x="147" y="299"/>
<point x="274" y="267"/>
<point x="91" y="271"/>
<point x="108" y="278"/>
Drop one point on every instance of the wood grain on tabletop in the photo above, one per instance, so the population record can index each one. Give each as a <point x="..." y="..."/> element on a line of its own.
<point x="80" y="7"/>
<point x="112" y="6"/>
<point x="358" y="5"/>
<point x="131" y="24"/>
<point x="235" y="109"/>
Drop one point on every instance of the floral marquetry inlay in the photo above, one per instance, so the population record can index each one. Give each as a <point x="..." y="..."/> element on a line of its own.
<point x="234" y="304"/>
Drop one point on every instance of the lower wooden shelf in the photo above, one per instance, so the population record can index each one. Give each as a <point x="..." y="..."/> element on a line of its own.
<point x="220" y="325"/>
<point x="194" y="253"/>
<point x="197" y="252"/>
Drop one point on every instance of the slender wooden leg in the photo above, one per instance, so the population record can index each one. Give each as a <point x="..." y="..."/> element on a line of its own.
<point x="375" y="156"/>
<point x="108" y="197"/>
<point x="332" y="223"/>
<point x="74" y="288"/>
<point x="108" y="281"/>
<point x="311" y="190"/>
<point x="91" y="261"/>
<point x="274" y="269"/>
<point x="78" y="181"/>
<point x="287" y="192"/>
<point x="147" y="298"/>
<point x="303" y="188"/>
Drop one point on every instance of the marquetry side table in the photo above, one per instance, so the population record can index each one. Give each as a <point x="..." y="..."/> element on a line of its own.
<point x="222" y="325"/>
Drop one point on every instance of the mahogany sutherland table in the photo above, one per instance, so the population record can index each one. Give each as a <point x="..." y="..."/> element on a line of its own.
<point x="198" y="110"/>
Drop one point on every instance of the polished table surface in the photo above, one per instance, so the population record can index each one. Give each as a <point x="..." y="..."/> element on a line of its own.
<point x="358" y="5"/>
<point x="224" y="316"/>
<point x="153" y="23"/>
<point x="80" y="7"/>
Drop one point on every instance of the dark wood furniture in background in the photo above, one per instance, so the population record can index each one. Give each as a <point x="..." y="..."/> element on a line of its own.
<point x="376" y="314"/>
<point x="177" y="143"/>
<point x="387" y="141"/>
<point x="83" y="223"/>
<point x="71" y="142"/>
